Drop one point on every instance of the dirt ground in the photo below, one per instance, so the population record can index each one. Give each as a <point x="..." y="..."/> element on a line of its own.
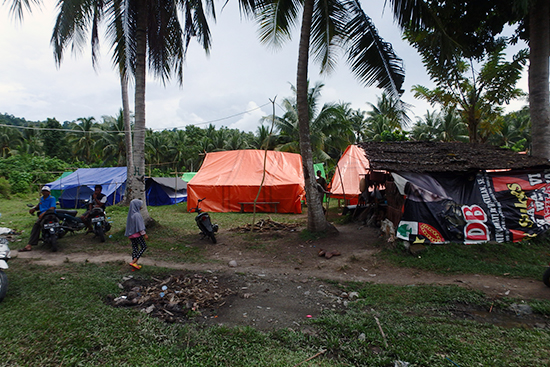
<point x="276" y="279"/>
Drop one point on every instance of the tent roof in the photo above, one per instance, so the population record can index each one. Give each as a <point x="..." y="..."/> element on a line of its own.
<point x="90" y="177"/>
<point x="351" y="167"/>
<point x="175" y="183"/>
<point x="245" y="168"/>
<point x="421" y="156"/>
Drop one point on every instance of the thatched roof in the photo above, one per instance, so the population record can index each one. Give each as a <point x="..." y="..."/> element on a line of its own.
<point x="445" y="157"/>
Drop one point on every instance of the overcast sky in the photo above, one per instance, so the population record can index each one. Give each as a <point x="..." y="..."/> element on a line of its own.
<point x="239" y="75"/>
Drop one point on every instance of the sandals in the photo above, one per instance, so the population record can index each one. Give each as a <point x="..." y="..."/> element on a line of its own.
<point x="135" y="266"/>
<point x="24" y="249"/>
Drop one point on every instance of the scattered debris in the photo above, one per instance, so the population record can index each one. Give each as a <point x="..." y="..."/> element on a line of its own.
<point x="174" y="299"/>
<point x="328" y="254"/>
<point x="265" y="225"/>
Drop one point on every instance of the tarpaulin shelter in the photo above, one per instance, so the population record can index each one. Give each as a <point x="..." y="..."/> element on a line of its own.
<point x="57" y="193"/>
<point x="187" y="176"/>
<point x="351" y="168"/>
<point x="165" y="190"/>
<point x="228" y="179"/>
<point x="79" y="185"/>
<point x="459" y="192"/>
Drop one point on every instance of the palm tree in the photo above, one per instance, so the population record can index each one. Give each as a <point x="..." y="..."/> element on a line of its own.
<point x="328" y="27"/>
<point x="452" y="127"/>
<point x="9" y="139"/>
<point x="392" y="110"/>
<point x="426" y="128"/>
<point x="113" y="139"/>
<point x="83" y="139"/>
<point x="358" y="123"/>
<point x="323" y="124"/>
<point x="142" y="32"/>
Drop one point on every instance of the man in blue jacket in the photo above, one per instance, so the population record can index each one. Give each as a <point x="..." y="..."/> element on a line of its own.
<point x="46" y="205"/>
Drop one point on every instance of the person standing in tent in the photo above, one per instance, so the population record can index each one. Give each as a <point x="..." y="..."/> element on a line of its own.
<point x="321" y="180"/>
<point x="98" y="200"/>
<point x="46" y="205"/>
<point x="321" y="185"/>
<point x="135" y="231"/>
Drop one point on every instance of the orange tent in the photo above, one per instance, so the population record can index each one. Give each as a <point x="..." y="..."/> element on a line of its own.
<point x="227" y="179"/>
<point x="351" y="168"/>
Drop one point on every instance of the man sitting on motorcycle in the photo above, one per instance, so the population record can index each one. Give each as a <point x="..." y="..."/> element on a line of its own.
<point x="46" y="205"/>
<point x="98" y="201"/>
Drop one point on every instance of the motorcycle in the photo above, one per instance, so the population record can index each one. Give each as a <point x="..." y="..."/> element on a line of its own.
<point x="100" y="225"/>
<point x="204" y="223"/>
<point x="69" y="221"/>
<point x="51" y="229"/>
<point x="546" y="277"/>
<point x="4" y="257"/>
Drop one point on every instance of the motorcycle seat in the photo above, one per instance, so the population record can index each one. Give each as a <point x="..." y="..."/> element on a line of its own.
<point x="69" y="212"/>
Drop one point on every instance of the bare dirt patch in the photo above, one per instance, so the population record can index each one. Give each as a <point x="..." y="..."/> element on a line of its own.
<point x="278" y="278"/>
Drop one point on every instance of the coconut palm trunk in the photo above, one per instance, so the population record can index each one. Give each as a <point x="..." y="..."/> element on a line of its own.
<point x="137" y="191"/>
<point x="316" y="218"/>
<point x="539" y="97"/>
<point x="127" y="135"/>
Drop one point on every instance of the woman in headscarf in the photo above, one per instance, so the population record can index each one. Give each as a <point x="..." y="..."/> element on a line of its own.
<point x="135" y="231"/>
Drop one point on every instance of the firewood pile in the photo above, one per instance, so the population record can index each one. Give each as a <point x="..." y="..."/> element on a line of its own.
<point x="266" y="225"/>
<point x="174" y="299"/>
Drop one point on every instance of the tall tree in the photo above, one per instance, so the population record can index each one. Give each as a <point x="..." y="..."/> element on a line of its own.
<point x="326" y="28"/>
<point x="55" y="140"/>
<point x="392" y="110"/>
<point x="83" y="139"/>
<point x="145" y="32"/>
<point x="113" y="139"/>
<point x="471" y="26"/>
<point x="477" y="96"/>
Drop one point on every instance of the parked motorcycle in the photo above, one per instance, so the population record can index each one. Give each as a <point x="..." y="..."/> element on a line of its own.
<point x="69" y="221"/>
<point x="204" y="223"/>
<point x="100" y="225"/>
<point x="51" y="229"/>
<point x="546" y="277"/>
<point x="4" y="257"/>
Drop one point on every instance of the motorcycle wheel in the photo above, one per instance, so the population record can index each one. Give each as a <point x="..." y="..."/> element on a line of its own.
<point x="212" y="237"/>
<point x="100" y="233"/>
<point x="53" y="242"/>
<point x="3" y="285"/>
<point x="546" y="277"/>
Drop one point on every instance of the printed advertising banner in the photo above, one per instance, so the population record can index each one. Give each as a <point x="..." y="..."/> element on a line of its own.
<point x="493" y="206"/>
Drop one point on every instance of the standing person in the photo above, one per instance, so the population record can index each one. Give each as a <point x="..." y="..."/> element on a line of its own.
<point x="98" y="200"/>
<point x="46" y="205"/>
<point x="135" y="231"/>
<point x="321" y="180"/>
<point x="321" y="186"/>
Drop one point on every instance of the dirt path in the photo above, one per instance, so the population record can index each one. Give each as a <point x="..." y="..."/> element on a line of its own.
<point x="278" y="277"/>
<point x="287" y="254"/>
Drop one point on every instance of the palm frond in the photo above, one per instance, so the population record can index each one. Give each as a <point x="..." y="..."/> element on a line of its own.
<point x="276" y="20"/>
<point x="372" y="60"/>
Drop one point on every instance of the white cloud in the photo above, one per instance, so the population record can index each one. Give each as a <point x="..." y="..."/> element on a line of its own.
<point x="239" y="75"/>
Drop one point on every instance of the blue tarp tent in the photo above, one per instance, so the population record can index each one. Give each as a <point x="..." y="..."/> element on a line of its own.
<point x="79" y="185"/>
<point x="165" y="190"/>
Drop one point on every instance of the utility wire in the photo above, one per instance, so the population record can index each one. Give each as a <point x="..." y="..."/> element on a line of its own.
<point x="124" y="131"/>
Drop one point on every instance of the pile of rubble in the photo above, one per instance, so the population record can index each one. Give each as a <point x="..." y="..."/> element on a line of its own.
<point x="174" y="299"/>
<point x="266" y="225"/>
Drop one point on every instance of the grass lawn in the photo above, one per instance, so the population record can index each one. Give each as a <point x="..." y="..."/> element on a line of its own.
<point x="57" y="315"/>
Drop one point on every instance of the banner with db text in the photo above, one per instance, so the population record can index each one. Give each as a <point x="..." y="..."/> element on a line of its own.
<point x="505" y="206"/>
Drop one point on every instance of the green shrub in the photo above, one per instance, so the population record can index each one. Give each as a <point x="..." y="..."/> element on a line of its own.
<point x="20" y="182"/>
<point x="5" y="188"/>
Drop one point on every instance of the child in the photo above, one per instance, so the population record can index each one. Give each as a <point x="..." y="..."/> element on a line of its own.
<point x="135" y="231"/>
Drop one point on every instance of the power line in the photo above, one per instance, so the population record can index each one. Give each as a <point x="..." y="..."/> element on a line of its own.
<point x="124" y="131"/>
